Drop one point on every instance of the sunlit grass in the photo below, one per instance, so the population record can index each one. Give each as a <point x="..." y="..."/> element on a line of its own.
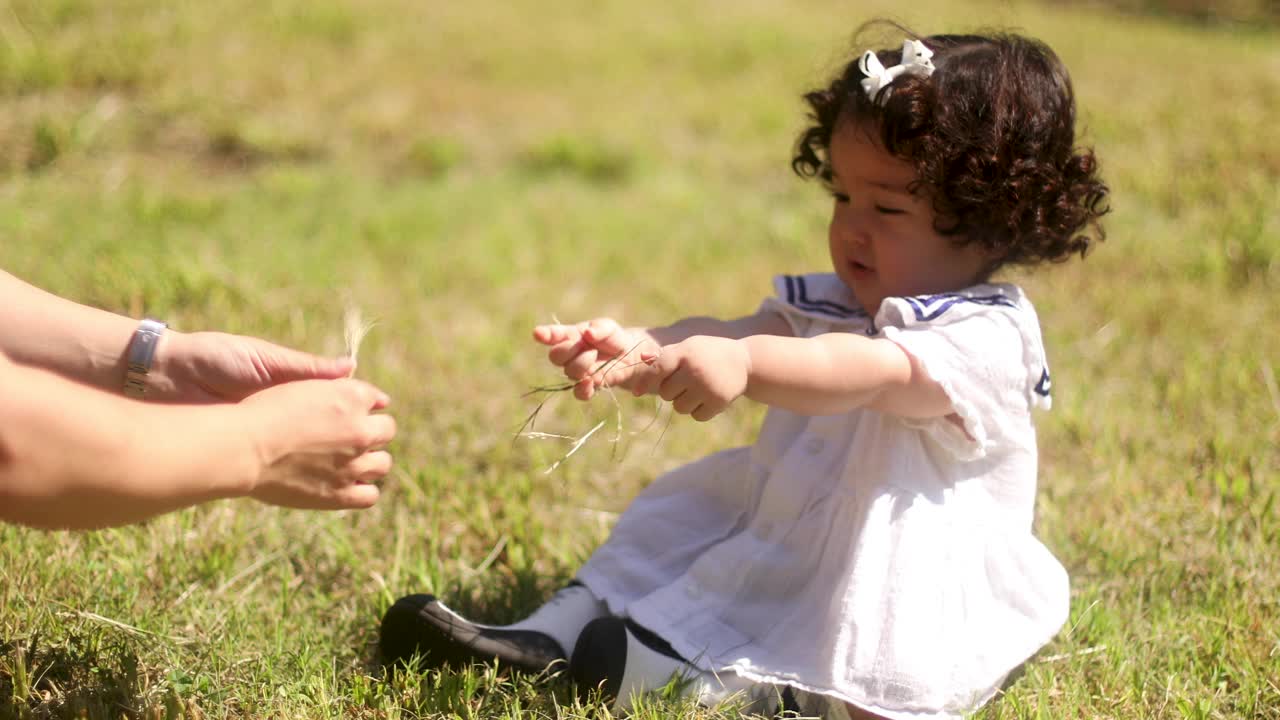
<point x="461" y="172"/>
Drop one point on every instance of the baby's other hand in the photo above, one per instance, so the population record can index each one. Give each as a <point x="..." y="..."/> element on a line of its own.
<point x="700" y="376"/>
<point x="585" y="349"/>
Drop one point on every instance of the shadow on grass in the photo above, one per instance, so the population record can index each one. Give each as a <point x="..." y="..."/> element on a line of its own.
<point x="83" y="677"/>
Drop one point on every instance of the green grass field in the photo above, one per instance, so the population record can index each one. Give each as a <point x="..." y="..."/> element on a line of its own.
<point x="461" y="172"/>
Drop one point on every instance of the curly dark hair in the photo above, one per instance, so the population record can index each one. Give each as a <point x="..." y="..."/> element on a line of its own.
<point x="991" y="135"/>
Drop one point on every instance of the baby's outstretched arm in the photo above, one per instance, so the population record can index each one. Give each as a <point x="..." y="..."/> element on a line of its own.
<point x="586" y="350"/>
<point x="824" y="375"/>
<point x="837" y="372"/>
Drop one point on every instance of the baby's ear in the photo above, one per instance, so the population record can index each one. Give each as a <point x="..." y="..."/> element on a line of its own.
<point x="995" y="258"/>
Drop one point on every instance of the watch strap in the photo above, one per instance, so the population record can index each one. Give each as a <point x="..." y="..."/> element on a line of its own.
<point x="141" y="354"/>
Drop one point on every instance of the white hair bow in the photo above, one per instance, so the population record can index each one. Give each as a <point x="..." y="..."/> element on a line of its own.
<point x="915" y="61"/>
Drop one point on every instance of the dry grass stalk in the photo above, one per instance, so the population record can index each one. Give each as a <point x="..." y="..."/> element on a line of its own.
<point x="549" y="391"/>
<point x="354" y="328"/>
<point x="1269" y="379"/>
<point x="576" y="446"/>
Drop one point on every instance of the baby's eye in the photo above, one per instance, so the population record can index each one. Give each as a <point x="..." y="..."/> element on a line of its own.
<point x="839" y="196"/>
<point x="889" y="211"/>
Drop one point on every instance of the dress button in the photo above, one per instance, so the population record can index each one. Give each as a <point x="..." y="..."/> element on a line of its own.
<point x="693" y="591"/>
<point x="814" y="446"/>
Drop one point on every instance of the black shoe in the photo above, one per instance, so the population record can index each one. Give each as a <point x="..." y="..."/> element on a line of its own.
<point x="423" y="626"/>
<point x="600" y="655"/>
<point x="788" y="704"/>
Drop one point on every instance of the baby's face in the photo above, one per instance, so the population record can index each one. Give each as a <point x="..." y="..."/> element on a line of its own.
<point x="882" y="239"/>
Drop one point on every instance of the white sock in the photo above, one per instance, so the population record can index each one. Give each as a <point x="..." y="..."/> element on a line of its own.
<point x="648" y="670"/>
<point x="564" y="616"/>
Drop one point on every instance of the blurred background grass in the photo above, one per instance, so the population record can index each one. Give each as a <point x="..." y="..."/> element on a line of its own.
<point x="463" y="171"/>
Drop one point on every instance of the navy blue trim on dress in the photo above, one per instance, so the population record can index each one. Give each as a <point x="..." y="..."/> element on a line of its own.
<point x="1043" y="387"/>
<point x="798" y="295"/>
<point x="924" y="314"/>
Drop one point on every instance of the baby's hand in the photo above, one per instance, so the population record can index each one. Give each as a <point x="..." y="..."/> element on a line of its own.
<point x="587" y="352"/>
<point x="701" y="376"/>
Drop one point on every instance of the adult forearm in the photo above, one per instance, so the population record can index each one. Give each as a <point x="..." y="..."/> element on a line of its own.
<point x="77" y="341"/>
<point x="825" y="375"/>
<point x="75" y="457"/>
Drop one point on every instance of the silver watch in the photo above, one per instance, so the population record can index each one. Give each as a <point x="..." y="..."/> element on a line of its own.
<point x="142" y="351"/>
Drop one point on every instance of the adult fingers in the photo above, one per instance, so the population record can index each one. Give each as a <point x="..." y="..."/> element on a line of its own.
<point x="362" y="395"/>
<point x="281" y="364"/>
<point x="370" y="466"/>
<point x="376" y="432"/>
<point x="349" y="424"/>
<point x="356" y="497"/>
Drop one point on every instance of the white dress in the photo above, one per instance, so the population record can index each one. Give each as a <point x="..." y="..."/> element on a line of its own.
<point x="880" y="561"/>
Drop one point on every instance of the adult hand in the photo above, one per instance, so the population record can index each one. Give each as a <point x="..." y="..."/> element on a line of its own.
<point x="209" y="367"/>
<point x="584" y="350"/>
<point x="319" y="443"/>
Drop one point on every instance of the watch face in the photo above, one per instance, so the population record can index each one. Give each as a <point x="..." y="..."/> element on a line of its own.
<point x="141" y="352"/>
